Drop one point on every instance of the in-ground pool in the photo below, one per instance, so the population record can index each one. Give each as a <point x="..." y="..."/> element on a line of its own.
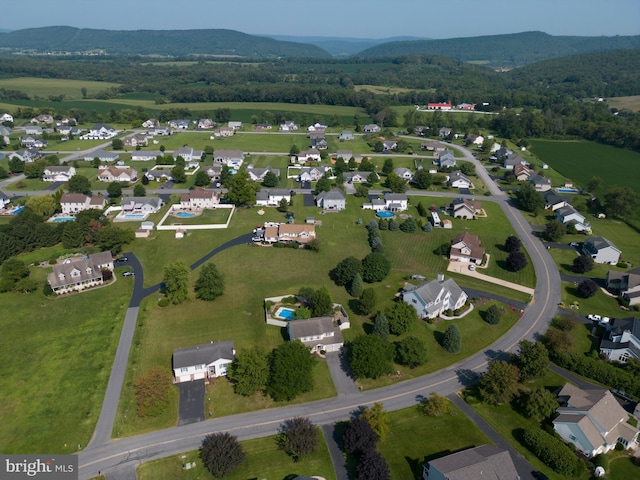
<point x="567" y="190"/>
<point x="386" y="214"/>
<point x="17" y="210"/>
<point x="185" y="214"/>
<point x="286" y="313"/>
<point x="63" y="219"/>
<point x="136" y="216"/>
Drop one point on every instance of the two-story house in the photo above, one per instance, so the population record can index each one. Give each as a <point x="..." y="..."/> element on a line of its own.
<point x="203" y="362"/>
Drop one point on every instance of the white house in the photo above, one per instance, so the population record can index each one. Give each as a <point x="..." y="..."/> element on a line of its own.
<point x="102" y="155"/>
<point x="188" y="154"/>
<point x="569" y="214"/>
<point x="445" y="159"/>
<point x="601" y="250"/>
<point x="405" y="173"/>
<point x="335" y="200"/>
<point x="466" y="248"/>
<point x="432" y="298"/>
<point x="72" y="203"/>
<point x="150" y="123"/>
<point x="99" y="131"/>
<point x="311" y="155"/>
<point x="288" y="126"/>
<point x="313" y="174"/>
<point x="145" y="155"/>
<point x="346" y="135"/>
<point x="371" y="128"/>
<point x="74" y="275"/>
<point x="319" y="333"/>
<point x="272" y="197"/>
<point x="117" y="174"/>
<point x="207" y="361"/>
<point x="622" y="340"/>
<point x="285" y="232"/>
<point x="593" y="420"/>
<point x="458" y="179"/>
<point x="396" y="202"/>
<point x="235" y="125"/>
<point x="58" y="173"/>
<point x="231" y="158"/>
<point x="258" y="174"/>
<point x="199" y="198"/>
<point x="375" y="203"/>
<point x="33" y="142"/>
<point x="356" y="177"/>
<point x="141" y="204"/>
<point x="5" y="117"/>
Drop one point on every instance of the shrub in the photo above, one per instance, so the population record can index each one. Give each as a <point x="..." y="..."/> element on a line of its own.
<point x="587" y="288"/>
<point x="163" y="302"/>
<point x="375" y="267"/>
<point x="512" y="244"/>
<point x="393" y="225"/>
<point x="601" y="461"/>
<point x="516" y="261"/>
<point x="565" y="323"/>
<point x="493" y="315"/>
<point x="221" y="453"/>
<point x="409" y="225"/>
<point x="552" y="452"/>
<point x="582" y="264"/>
<point x="152" y="392"/>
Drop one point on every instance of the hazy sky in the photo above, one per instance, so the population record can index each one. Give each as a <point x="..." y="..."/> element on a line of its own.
<point x="345" y="18"/>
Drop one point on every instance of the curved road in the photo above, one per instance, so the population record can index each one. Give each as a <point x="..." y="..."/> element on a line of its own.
<point x="106" y="455"/>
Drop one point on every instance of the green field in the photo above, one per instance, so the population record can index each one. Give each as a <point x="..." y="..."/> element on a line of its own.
<point x="68" y="345"/>
<point x="580" y="160"/>
<point x="43" y="87"/>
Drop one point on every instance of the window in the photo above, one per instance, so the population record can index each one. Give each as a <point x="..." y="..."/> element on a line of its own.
<point x="184" y="370"/>
<point x="572" y="437"/>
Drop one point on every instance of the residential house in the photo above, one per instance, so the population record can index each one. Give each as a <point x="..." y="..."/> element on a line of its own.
<point x="75" y="275"/>
<point x="102" y="155"/>
<point x="199" y="198"/>
<point x="146" y="155"/>
<point x="466" y="248"/>
<point x="439" y="106"/>
<point x="69" y="130"/>
<point x="622" y="339"/>
<point x="593" y="420"/>
<point x="540" y="183"/>
<point x="214" y="171"/>
<point x="117" y="174"/>
<point x="99" y="131"/>
<point x="259" y="127"/>
<point x="345" y="155"/>
<point x="371" y="128"/>
<point x="288" y="126"/>
<point x="625" y="284"/>
<point x="43" y="118"/>
<point x="33" y="142"/>
<point x="159" y="131"/>
<point x="33" y="130"/>
<point x="158" y="174"/>
<point x="355" y="177"/>
<point x="389" y="145"/>
<point x="258" y="174"/>
<point x="318" y="141"/>
<point x="141" y="204"/>
<point x="272" y="197"/>
<point x="318" y="333"/>
<point x="335" y="200"/>
<point x="510" y="161"/>
<point x="58" y="173"/>
<point x="433" y="146"/>
<point x="466" y="106"/>
<point x="421" y="130"/>
<point x="27" y="155"/>
<point x="226" y="132"/>
<point x="317" y="127"/>
<point x="483" y="462"/>
<point x="553" y="201"/>
<point x="396" y="202"/>
<point x="136" y="140"/>
<point x="522" y="172"/>
<point x="181" y="124"/>
<point x="151" y="123"/>
<point x="231" y="158"/>
<point x="432" y="298"/>
<point x="285" y="232"/>
<point x="569" y="214"/>
<point x="375" y="203"/>
<point x="474" y="139"/>
<point x="458" y="179"/>
<point x="346" y="135"/>
<point x="310" y="155"/>
<point x="235" y="125"/>
<point x="206" y="123"/>
<point x="6" y="117"/>
<point x="404" y="173"/>
<point x="189" y="155"/>
<point x="313" y="174"/>
<point x="203" y="362"/>
<point x="445" y="159"/>
<point x="4" y="135"/>
<point x="72" y="203"/>
<point x="464" y="208"/>
<point x="601" y="250"/>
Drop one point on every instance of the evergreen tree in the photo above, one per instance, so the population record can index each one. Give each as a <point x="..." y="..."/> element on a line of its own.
<point x="381" y="326"/>
<point x="356" y="286"/>
<point x="451" y="341"/>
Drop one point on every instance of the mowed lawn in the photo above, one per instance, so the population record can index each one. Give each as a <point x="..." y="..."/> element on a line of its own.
<point x="263" y="460"/>
<point x="55" y="357"/>
<point x="580" y="160"/>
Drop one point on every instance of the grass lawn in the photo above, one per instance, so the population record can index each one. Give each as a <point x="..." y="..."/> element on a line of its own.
<point x="623" y="468"/>
<point x="208" y="216"/>
<point x="509" y="423"/>
<point x="415" y="438"/>
<point x="43" y="87"/>
<point x="263" y="460"/>
<point x="601" y="303"/>
<point x="70" y="342"/>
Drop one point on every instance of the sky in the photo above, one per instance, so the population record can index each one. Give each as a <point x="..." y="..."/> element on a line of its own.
<point x="336" y="18"/>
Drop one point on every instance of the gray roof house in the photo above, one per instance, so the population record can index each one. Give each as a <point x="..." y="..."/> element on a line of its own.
<point x="510" y="161"/>
<point x="75" y="275"/>
<point x="346" y="135"/>
<point x="540" y="183"/>
<point x="432" y="298"/>
<point x="102" y="155"/>
<point x="622" y="340"/>
<point x="272" y="197"/>
<point x="228" y="157"/>
<point x="601" y="250"/>
<point x="593" y="420"/>
<point x="446" y="159"/>
<point x="405" y="173"/>
<point x="553" y="201"/>
<point x="458" y="179"/>
<point x="258" y="174"/>
<point x="334" y="199"/>
<point x="319" y="333"/>
<point x="371" y="128"/>
<point x="483" y="462"/>
<point x="569" y="214"/>
<point x="625" y="284"/>
<point x="141" y="204"/>
<point x="206" y="361"/>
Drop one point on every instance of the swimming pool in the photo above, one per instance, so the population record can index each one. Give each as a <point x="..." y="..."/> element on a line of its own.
<point x="18" y="210"/>
<point x="567" y="190"/>
<point x="63" y="219"/>
<point x="185" y="214"/>
<point x="136" y="216"/>
<point x="386" y="214"/>
<point x="286" y="313"/>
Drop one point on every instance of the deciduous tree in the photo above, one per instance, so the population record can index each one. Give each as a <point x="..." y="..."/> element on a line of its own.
<point x="582" y="264"/>
<point x="291" y="371"/>
<point x="201" y="178"/>
<point x="401" y="317"/>
<point x="176" y="282"/>
<point x="370" y="356"/>
<point x="114" y="190"/>
<point x="516" y="261"/>
<point x="436" y="405"/>
<point x="587" y="288"/>
<point x="492" y="315"/>
<point x="210" y="283"/>
<point x="298" y="437"/>
<point x="367" y="301"/>
<point x="249" y="372"/>
<point x="554" y="231"/>
<point x="411" y="351"/>
<point x="498" y="384"/>
<point x="221" y="453"/>
<point x="270" y="180"/>
<point x="512" y="244"/>
<point x="539" y="404"/>
<point x="532" y="360"/>
<point x="79" y="184"/>
<point x="372" y="466"/>
<point x="358" y="437"/>
<point x="375" y="267"/>
<point x="380" y="326"/>
<point x="530" y="199"/>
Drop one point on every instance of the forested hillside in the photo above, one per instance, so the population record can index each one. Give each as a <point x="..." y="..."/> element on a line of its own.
<point x="154" y="42"/>
<point x="510" y="50"/>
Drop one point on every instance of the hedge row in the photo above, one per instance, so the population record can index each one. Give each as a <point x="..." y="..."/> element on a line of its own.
<point x="552" y="452"/>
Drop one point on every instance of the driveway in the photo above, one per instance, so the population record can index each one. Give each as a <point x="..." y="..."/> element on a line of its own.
<point x="191" y="402"/>
<point x="340" y="373"/>
<point x="464" y="191"/>
<point x="308" y="200"/>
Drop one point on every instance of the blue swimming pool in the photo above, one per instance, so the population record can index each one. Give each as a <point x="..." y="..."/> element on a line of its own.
<point x="386" y="214"/>
<point x="567" y="190"/>
<point x="18" y="210"/>
<point x="137" y="216"/>
<point x="63" y="219"/>
<point x="286" y="313"/>
<point x="185" y="214"/>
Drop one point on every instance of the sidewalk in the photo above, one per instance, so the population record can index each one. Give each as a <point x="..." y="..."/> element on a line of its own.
<point x="463" y="269"/>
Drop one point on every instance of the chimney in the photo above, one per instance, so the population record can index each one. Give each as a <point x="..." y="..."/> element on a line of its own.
<point x="440" y="277"/>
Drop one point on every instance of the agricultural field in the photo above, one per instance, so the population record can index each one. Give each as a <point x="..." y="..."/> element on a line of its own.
<point x="44" y="87"/>
<point x="631" y="103"/>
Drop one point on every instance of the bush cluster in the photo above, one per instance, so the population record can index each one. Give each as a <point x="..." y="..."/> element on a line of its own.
<point x="552" y="452"/>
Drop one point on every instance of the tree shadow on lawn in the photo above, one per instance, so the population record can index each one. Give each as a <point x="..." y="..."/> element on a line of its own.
<point x="416" y="467"/>
<point x="500" y="246"/>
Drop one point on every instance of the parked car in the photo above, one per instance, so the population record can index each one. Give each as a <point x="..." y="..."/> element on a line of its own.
<point x="121" y="260"/>
<point x="129" y="273"/>
<point x="573" y="244"/>
<point x="256" y="239"/>
<point x="595" y="318"/>
<point x="472" y="267"/>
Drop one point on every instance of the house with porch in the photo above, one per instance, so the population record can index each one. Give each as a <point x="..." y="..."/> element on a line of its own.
<point x="389" y="145"/>
<point x="445" y="159"/>
<point x="318" y="141"/>
<point x="225" y="132"/>
<point x="27" y="155"/>
<point x="621" y="340"/>
<point x="313" y="174"/>
<point x="72" y="203"/>
<point x="318" y="333"/>
<point x="58" y="173"/>
<point x="371" y="128"/>
<point x="483" y="462"/>
<point x="334" y="200"/>
<point x="458" y="179"/>
<point x="199" y="198"/>
<point x="553" y="201"/>
<point x="117" y="174"/>
<point x="188" y="154"/>
<point x="404" y="173"/>
<point x="465" y="208"/>
<point x="346" y="135"/>
<point x="466" y="248"/>
<point x="522" y="172"/>
<point x="99" y="131"/>
<point x="593" y="420"/>
<point x="235" y="124"/>
<point x="626" y="285"/>
<point x="33" y="142"/>
<point x="288" y="126"/>
<point x="136" y="140"/>
<point x="568" y="214"/>
<point x="180" y="124"/>
<point x="286" y="232"/>
<point x="396" y="202"/>
<point x="271" y="197"/>
<point x="432" y="298"/>
<point x="146" y="155"/>
<point x="206" y="124"/>
<point x="601" y="250"/>
<point x="510" y="161"/>
<point x="355" y="177"/>
<point x="203" y="362"/>
<point x="159" y="131"/>
<point x="540" y="183"/>
<point x="310" y="155"/>
<point x="75" y="275"/>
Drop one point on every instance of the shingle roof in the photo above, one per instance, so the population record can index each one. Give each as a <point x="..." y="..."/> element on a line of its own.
<point x="485" y="462"/>
<point x="203" y="354"/>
